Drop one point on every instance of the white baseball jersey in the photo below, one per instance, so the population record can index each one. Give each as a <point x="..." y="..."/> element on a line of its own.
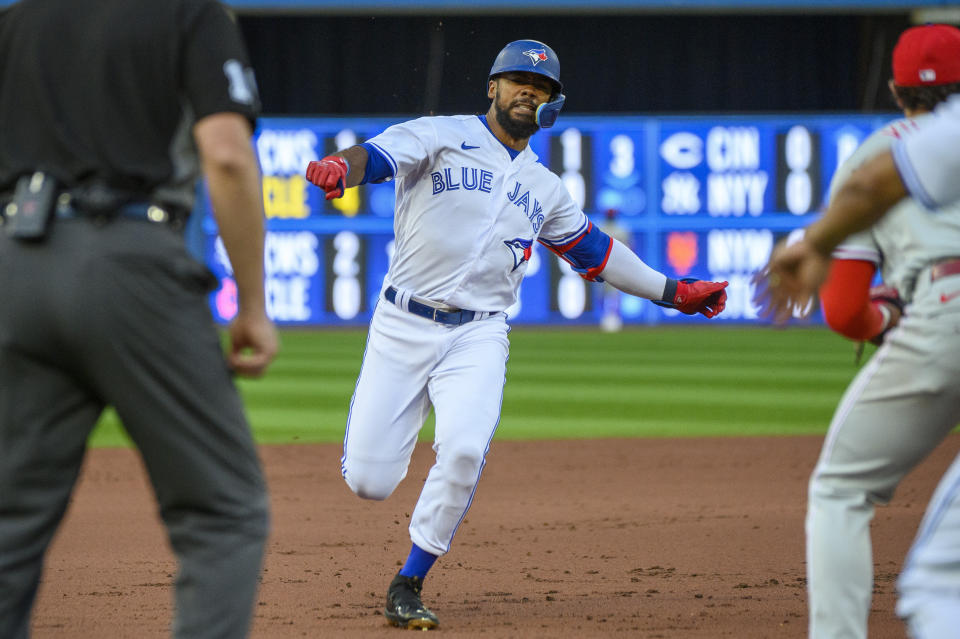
<point x="929" y="161"/>
<point x="466" y="214"/>
<point x="909" y="237"/>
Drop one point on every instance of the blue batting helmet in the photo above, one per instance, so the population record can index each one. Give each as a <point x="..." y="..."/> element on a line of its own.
<point x="533" y="56"/>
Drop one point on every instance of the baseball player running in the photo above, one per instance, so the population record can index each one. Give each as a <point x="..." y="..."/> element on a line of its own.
<point x="471" y="200"/>
<point x="906" y="400"/>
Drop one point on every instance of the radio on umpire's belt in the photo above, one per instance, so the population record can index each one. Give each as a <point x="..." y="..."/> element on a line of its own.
<point x="38" y="199"/>
<point x="28" y="216"/>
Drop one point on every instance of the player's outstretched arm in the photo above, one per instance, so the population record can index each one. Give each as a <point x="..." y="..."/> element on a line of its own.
<point x="339" y="171"/>
<point x="627" y="272"/>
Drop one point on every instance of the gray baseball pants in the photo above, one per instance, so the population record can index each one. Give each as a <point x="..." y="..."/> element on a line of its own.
<point x="116" y="314"/>
<point x="898" y="408"/>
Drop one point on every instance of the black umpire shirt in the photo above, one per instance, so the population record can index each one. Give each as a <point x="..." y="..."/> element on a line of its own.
<point x="76" y="103"/>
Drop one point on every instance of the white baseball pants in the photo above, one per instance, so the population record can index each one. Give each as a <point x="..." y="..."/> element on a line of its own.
<point x="411" y="364"/>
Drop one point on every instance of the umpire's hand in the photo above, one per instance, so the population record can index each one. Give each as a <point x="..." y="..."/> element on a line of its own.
<point x="253" y="344"/>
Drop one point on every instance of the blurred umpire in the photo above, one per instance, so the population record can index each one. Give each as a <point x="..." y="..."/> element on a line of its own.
<point x="109" y="109"/>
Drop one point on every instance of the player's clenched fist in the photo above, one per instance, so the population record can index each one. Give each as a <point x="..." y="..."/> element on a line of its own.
<point x="329" y="174"/>
<point x="699" y="296"/>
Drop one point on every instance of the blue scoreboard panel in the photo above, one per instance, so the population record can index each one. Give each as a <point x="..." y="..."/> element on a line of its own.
<point x="700" y="196"/>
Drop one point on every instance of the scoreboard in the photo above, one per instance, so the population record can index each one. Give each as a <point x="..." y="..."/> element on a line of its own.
<point x="702" y="196"/>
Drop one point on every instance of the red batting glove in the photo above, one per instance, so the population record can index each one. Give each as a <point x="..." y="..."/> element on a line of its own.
<point x="329" y="174"/>
<point x="699" y="296"/>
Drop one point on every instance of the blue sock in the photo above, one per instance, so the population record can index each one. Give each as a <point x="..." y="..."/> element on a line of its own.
<point x="418" y="563"/>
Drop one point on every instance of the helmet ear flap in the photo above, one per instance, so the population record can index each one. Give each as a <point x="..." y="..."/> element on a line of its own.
<point x="548" y="112"/>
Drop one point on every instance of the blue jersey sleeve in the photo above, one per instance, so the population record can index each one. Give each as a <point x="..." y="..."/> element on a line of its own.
<point x="587" y="253"/>
<point x="378" y="169"/>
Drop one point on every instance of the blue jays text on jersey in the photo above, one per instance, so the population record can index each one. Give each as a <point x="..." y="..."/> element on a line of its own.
<point x="470" y="179"/>
<point x="534" y="212"/>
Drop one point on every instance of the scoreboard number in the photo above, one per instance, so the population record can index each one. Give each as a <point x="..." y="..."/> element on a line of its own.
<point x="798" y="170"/>
<point x="569" y="293"/>
<point x="349" y="203"/>
<point x="571" y="158"/>
<point x="622" y="163"/>
<point x="346" y="274"/>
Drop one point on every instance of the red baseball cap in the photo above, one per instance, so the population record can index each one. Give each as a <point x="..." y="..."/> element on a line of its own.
<point x="927" y="55"/>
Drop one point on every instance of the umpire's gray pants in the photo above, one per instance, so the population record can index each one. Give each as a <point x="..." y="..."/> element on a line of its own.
<point x="117" y="315"/>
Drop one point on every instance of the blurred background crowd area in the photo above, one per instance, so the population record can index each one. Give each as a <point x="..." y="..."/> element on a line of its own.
<point x="626" y="56"/>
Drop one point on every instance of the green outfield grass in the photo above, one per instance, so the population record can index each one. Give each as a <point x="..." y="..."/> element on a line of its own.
<point x="581" y="383"/>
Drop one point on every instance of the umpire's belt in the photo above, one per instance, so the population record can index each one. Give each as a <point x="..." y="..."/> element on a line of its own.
<point x="451" y="316"/>
<point x="144" y="211"/>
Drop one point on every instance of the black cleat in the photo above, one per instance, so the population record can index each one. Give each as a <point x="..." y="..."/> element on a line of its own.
<point x="404" y="608"/>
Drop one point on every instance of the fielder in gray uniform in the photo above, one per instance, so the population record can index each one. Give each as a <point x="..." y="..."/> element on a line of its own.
<point x="905" y="401"/>
<point x="924" y="350"/>
<point x="109" y="109"/>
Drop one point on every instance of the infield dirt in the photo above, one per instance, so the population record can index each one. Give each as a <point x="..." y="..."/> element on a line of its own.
<point x="665" y="538"/>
